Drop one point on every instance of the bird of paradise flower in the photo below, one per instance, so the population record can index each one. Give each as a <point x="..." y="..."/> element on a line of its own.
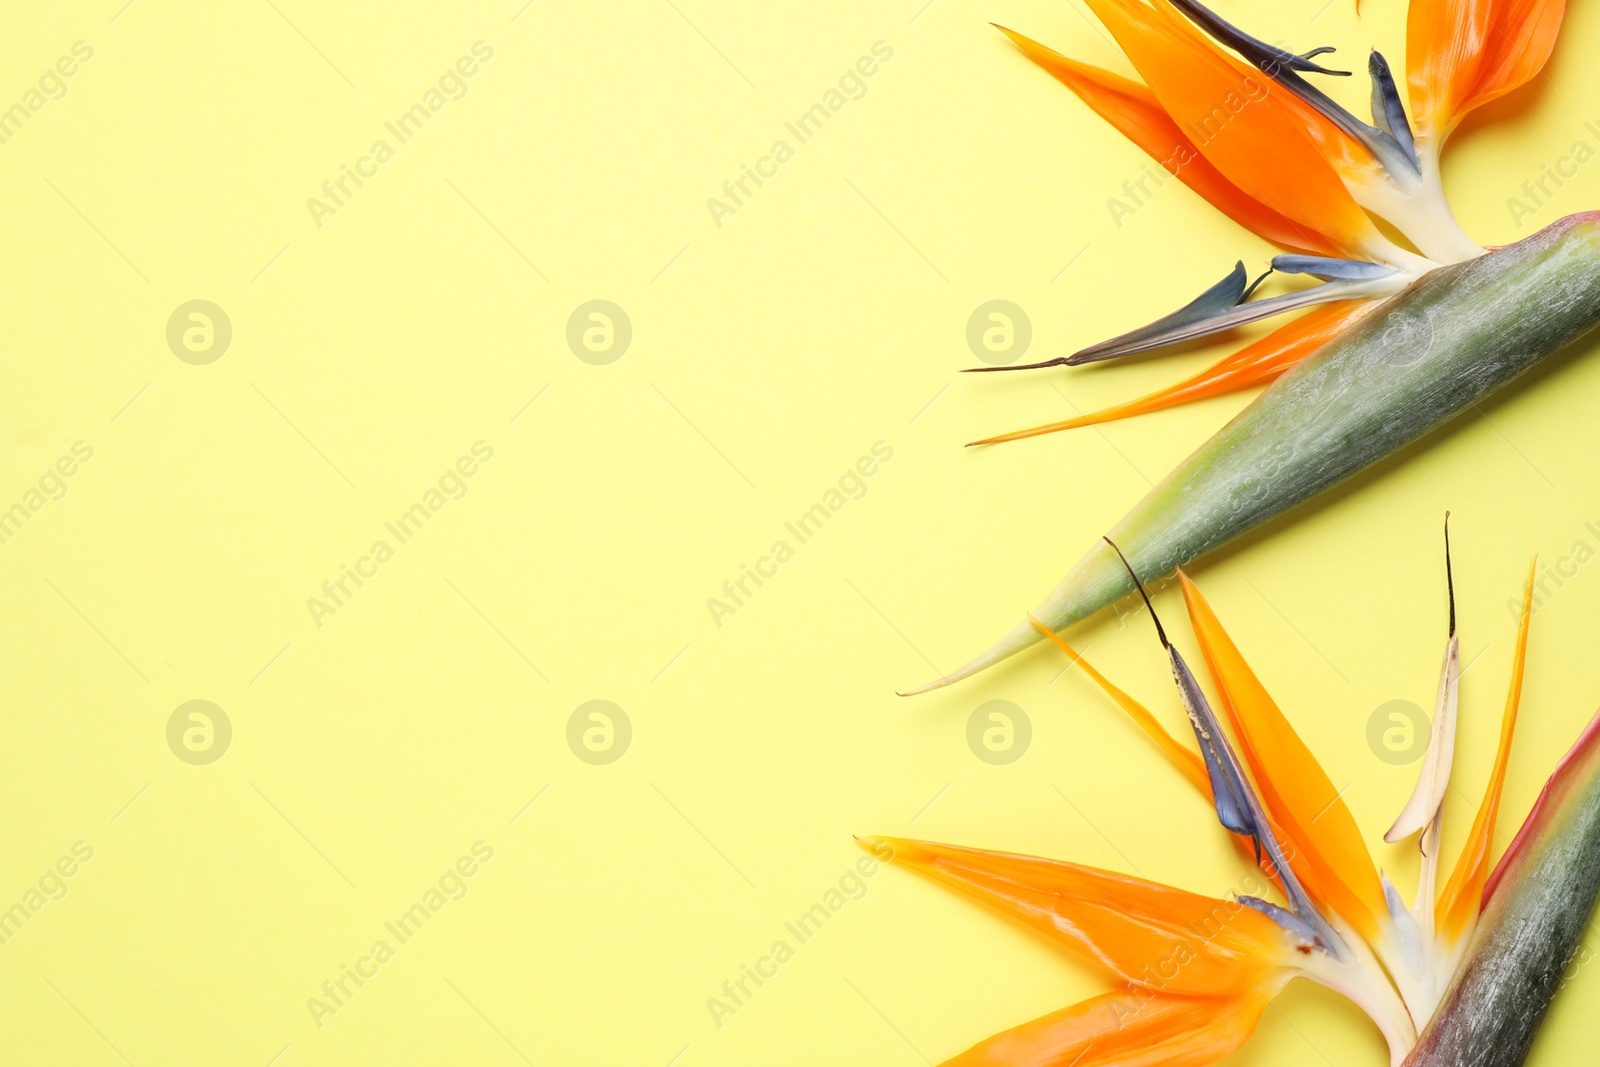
<point x="1462" y="976"/>
<point x="1408" y="325"/>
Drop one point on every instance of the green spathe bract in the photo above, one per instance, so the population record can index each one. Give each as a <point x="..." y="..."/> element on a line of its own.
<point x="1538" y="906"/>
<point x="1454" y="336"/>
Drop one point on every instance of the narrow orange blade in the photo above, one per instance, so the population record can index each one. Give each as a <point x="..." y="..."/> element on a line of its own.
<point x="1141" y="931"/>
<point x="1126" y="1029"/>
<point x="1461" y="54"/>
<point x="1257" y="363"/>
<point x="1239" y="121"/>
<point x="1133" y="109"/>
<point x="1187" y="761"/>
<point x="1326" y="846"/>
<point x="1462" y="897"/>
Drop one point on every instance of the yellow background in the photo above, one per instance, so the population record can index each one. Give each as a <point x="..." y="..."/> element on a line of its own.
<point x="768" y="354"/>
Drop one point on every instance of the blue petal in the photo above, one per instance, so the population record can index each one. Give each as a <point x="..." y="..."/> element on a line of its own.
<point x="1150" y="338"/>
<point x="1329" y="269"/>
<point x="1387" y="110"/>
<point x="1229" y="791"/>
<point x="1284" y="918"/>
<point x="1214" y="301"/>
<point x="1188" y="321"/>
<point x="1239" y="809"/>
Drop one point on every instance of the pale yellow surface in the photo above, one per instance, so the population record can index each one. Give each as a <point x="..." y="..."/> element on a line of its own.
<point x="375" y="745"/>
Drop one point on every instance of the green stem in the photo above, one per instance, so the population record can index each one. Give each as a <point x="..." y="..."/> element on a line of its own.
<point x="1451" y="338"/>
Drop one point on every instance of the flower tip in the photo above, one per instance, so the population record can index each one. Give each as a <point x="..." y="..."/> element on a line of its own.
<point x="1037" y="431"/>
<point x="1190" y="591"/>
<point x="937" y="683"/>
<point x="886" y="849"/>
<point x="1023" y="42"/>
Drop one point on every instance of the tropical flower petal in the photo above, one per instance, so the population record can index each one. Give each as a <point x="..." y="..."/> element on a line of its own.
<point x="1218" y="299"/>
<point x="1331" y="269"/>
<point x="1234" y="797"/>
<point x="1184" y="760"/>
<point x="1190" y="765"/>
<point x="1213" y="311"/>
<point x="1461" y="54"/>
<point x="1433" y="777"/>
<point x="1378" y="164"/>
<point x="1348" y="143"/>
<point x="1388" y="110"/>
<point x="1328" y="853"/>
<point x="1126" y="1029"/>
<point x="1257" y="363"/>
<point x="1145" y="933"/>
<point x="1522" y="36"/>
<point x="1176" y="330"/>
<point x="1133" y="109"/>
<point x="1240" y="121"/>
<point x="1462" y="897"/>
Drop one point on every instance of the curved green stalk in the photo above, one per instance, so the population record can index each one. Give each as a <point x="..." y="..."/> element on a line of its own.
<point x="1451" y="338"/>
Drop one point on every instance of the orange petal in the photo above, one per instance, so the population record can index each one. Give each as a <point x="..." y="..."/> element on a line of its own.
<point x="1522" y="34"/>
<point x="1133" y="109"/>
<point x="1324" y="845"/>
<point x="1349" y="157"/>
<point x="1257" y="363"/>
<point x="1461" y="54"/>
<point x="1462" y="897"/>
<point x="1188" y="762"/>
<point x="1443" y="41"/>
<point x="1148" y="934"/>
<point x="1132" y="1028"/>
<point x="1239" y="120"/>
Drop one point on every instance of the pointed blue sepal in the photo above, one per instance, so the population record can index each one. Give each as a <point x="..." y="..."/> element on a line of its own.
<point x="1284" y="918"/>
<point x="1238" y="807"/>
<point x="1230" y="793"/>
<point x="1330" y="269"/>
<point x="1387" y="109"/>
<point x="1219" y="298"/>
